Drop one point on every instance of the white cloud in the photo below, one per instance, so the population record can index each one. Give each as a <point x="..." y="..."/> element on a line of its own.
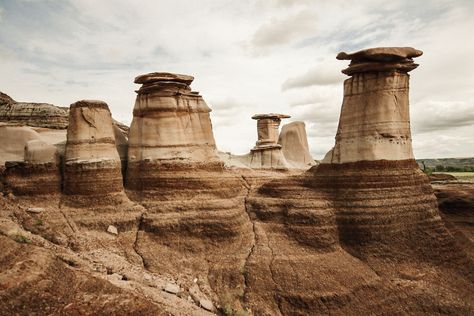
<point x="325" y="73"/>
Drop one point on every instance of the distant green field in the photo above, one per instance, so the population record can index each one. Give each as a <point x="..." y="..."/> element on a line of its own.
<point x="462" y="176"/>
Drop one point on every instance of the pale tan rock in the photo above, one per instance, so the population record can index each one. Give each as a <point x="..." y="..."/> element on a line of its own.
<point x="170" y="124"/>
<point x="92" y="163"/>
<point x="112" y="230"/>
<point x="13" y="140"/>
<point x="90" y="135"/>
<point x="40" y="152"/>
<point x="294" y="145"/>
<point x="375" y="121"/>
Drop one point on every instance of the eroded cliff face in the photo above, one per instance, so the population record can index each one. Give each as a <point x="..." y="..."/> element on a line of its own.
<point x="358" y="234"/>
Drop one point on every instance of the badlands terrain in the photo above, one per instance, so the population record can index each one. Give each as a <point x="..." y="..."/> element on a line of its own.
<point x="97" y="218"/>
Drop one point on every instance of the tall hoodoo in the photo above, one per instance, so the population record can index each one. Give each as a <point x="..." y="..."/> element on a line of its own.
<point x="170" y="121"/>
<point x="267" y="152"/>
<point x="374" y="122"/>
<point x="92" y="163"/>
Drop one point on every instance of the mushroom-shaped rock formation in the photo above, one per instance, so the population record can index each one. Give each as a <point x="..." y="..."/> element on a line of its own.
<point x="171" y="124"/>
<point x="294" y="145"/>
<point x="375" y="120"/>
<point x="92" y="163"/>
<point x="267" y="152"/>
<point x="368" y="200"/>
<point x="174" y="170"/>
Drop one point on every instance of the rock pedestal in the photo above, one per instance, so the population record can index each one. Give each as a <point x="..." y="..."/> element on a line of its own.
<point x="375" y="122"/>
<point x="294" y="144"/>
<point x="92" y="163"/>
<point x="171" y="125"/>
<point x="267" y="152"/>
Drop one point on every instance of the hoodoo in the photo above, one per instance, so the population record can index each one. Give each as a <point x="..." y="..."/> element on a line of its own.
<point x="367" y="200"/>
<point x="294" y="144"/>
<point x="375" y="119"/>
<point x="267" y="152"/>
<point x="171" y="124"/>
<point x="92" y="163"/>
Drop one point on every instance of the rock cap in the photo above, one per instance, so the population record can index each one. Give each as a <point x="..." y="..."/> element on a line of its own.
<point x="381" y="54"/>
<point x="270" y="116"/>
<point x="163" y="76"/>
<point x="380" y="59"/>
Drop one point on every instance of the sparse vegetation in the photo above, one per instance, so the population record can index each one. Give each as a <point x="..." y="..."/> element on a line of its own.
<point x="21" y="239"/>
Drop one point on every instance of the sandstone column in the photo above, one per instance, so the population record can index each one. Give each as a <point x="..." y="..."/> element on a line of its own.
<point x="92" y="163"/>
<point x="294" y="145"/>
<point x="171" y="125"/>
<point x="374" y="122"/>
<point x="267" y="152"/>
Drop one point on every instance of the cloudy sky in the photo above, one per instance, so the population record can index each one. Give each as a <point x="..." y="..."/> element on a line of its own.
<point x="247" y="57"/>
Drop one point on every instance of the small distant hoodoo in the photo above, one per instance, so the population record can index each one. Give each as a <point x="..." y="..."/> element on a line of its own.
<point x="267" y="152"/>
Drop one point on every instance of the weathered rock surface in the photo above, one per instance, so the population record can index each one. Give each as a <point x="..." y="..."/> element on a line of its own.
<point x="375" y="121"/>
<point x="170" y="124"/>
<point x="267" y="152"/>
<point x="32" y="114"/>
<point x="294" y="145"/>
<point x="368" y="207"/>
<point x="47" y="123"/>
<point x="357" y="237"/>
<point x="381" y="59"/>
<point x="92" y="163"/>
<point x="38" y="152"/>
<point x="13" y="140"/>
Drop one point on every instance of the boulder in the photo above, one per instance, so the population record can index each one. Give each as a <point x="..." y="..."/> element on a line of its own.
<point x="38" y="151"/>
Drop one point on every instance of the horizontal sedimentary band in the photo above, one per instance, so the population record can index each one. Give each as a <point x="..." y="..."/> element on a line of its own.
<point x="200" y="145"/>
<point x="361" y="165"/>
<point x="379" y="67"/>
<point x="148" y="112"/>
<point x="100" y="177"/>
<point x="104" y="140"/>
<point x="30" y="179"/>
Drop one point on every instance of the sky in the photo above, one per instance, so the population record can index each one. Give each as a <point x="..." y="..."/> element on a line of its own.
<point x="247" y="57"/>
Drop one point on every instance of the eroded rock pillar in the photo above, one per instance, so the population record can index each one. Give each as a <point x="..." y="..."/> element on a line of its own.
<point x="171" y="126"/>
<point x="375" y="121"/>
<point x="92" y="163"/>
<point x="267" y="152"/>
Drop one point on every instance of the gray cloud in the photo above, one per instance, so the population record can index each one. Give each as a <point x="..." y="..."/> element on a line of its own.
<point x="279" y="31"/>
<point x="440" y="116"/>
<point x="318" y="76"/>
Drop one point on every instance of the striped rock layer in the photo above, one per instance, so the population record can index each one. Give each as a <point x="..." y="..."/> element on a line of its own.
<point x="92" y="163"/>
